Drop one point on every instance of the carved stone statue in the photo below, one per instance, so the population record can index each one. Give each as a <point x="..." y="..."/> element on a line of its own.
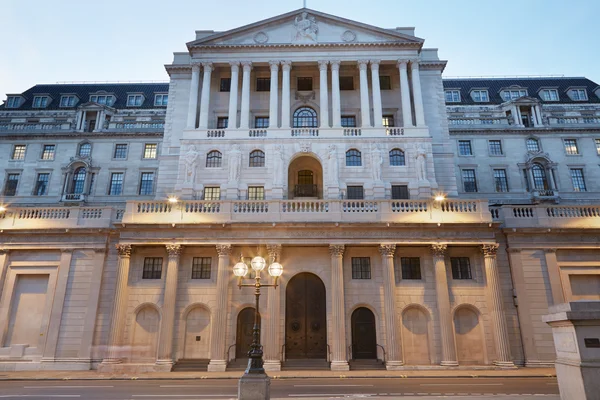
<point x="235" y="163"/>
<point x="190" y="159"/>
<point x="377" y="162"/>
<point x="306" y="28"/>
<point x="421" y="163"/>
<point x="332" y="165"/>
<point x="278" y="165"/>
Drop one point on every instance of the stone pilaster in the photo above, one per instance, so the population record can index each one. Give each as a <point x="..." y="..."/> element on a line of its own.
<point x="193" y="102"/>
<point x="233" y="95"/>
<point x="286" y="67"/>
<point x="336" y="104"/>
<point x="3" y="266"/>
<point x="339" y="361"/>
<point x="205" y="96"/>
<point x="270" y="321"/>
<point x="377" y="108"/>
<point x="218" y="326"/>
<point x="443" y="303"/>
<point x="365" y="110"/>
<point x="393" y="342"/>
<point x="167" y="322"/>
<point x="405" y="93"/>
<point x="245" y="108"/>
<point x="273" y="95"/>
<point x="323" y="94"/>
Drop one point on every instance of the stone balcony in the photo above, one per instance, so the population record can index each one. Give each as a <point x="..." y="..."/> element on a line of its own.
<point x="29" y="218"/>
<point x="548" y="216"/>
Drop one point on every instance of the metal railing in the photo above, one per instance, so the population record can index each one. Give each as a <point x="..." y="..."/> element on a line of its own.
<point x="227" y="354"/>
<point x="383" y="352"/>
<point x="306" y="191"/>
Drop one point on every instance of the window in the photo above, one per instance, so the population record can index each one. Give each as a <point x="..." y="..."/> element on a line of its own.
<point x="361" y="268"/>
<point x="385" y="82"/>
<point x="256" y="193"/>
<point x="134" y="100"/>
<point x="549" y="94"/>
<point x="540" y="181"/>
<point x="461" y="267"/>
<point x="411" y="267"/>
<point x="257" y="158"/>
<point x="263" y="84"/>
<point x="201" y="267"/>
<point x="222" y="122"/>
<point x="353" y="158"/>
<point x="355" y="193"/>
<point x="40" y="102"/>
<point x="480" y="96"/>
<point x="577" y="179"/>
<point x="571" y="147"/>
<point x="150" y="150"/>
<point x="12" y="181"/>
<point x="225" y="85"/>
<point x="120" y="151"/>
<point x="68" y="101"/>
<point x="146" y="183"/>
<point x="214" y="159"/>
<point x="18" y="152"/>
<point x="576" y="94"/>
<point x="597" y="141"/>
<point x="116" y="184"/>
<point x="346" y="83"/>
<point x="533" y="145"/>
<point x="305" y="117"/>
<point x="305" y="83"/>
<point x="513" y="94"/>
<point x="397" y="158"/>
<point x="495" y="147"/>
<point x="388" y="121"/>
<point x="500" y="180"/>
<point x="48" y="152"/>
<point x="464" y="148"/>
<point x="348" y="121"/>
<point x="78" y="184"/>
<point x="41" y="184"/>
<point x="103" y="99"/>
<point x="452" y="96"/>
<point x="152" y="268"/>
<point x="161" y="100"/>
<point x="261" y="122"/>
<point x="13" y="102"/>
<point x="400" y="192"/>
<point x="85" y="149"/>
<point x="212" y="193"/>
<point x="469" y="182"/>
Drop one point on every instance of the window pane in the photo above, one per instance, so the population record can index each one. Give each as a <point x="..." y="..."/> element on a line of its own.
<point x="222" y="122"/>
<point x="85" y="150"/>
<point x="469" y="182"/>
<point x="19" y="152"/>
<point x="305" y="117"/>
<point x="411" y="267"/>
<point x="388" y="121"/>
<point x="41" y="185"/>
<point x="147" y="183"/>
<point x="48" y="153"/>
<point x="257" y="158"/>
<point x="533" y="145"/>
<point x="305" y="83"/>
<point x="152" y="268"/>
<point x="120" y="150"/>
<point x="400" y="192"/>
<point x="201" y="267"/>
<point x="261" y="122"/>
<point x="78" y="184"/>
<point x="355" y="193"/>
<point x="495" y="147"/>
<point x="578" y="181"/>
<point x="571" y="147"/>
<point x="353" y="158"/>
<point x="256" y="193"/>
<point x="385" y="82"/>
<point x="348" y="121"/>
<point x="346" y="83"/>
<point x="500" y="180"/>
<point x="225" y="85"/>
<point x="150" y="150"/>
<point x="212" y="193"/>
<point x="213" y="159"/>
<point x="539" y="177"/>
<point x="397" y="158"/>
<point x="464" y="148"/>
<point x="361" y="268"/>
<point x="116" y="184"/>
<point x="12" y="181"/>
<point x="263" y="84"/>
<point x="461" y="268"/>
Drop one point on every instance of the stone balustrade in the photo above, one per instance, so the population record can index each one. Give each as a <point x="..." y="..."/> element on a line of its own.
<point x="574" y="120"/>
<point x="35" y="126"/>
<point x="59" y="217"/>
<point x="477" y="121"/>
<point x="548" y="216"/>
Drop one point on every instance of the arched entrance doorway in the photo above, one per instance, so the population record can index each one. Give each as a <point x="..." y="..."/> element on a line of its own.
<point x="364" y="338"/>
<point x="305" y="178"/>
<point x="305" y="317"/>
<point x="305" y="117"/>
<point x="469" y="337"/>
<point x="197" y="333"/>
<point x="243" y="337"/>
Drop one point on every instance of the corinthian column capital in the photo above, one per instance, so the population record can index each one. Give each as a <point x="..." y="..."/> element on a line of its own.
<point x="235" y="65"/>
<point x="439" y="250"/>
<point x="274" y="64"/>
<point x="323" y="65"/>
<point x="286" y="65"/>
<point x="387" y="250"/>
<point x="335" y="65"/>
<point x="362" y="64"/>
<point x="246" y="65"/>
<point x="336" y="250"/>
<point x="490" y="250"/>
<point x="402" y="63"/>
<point x="196" y="67"/>
<point x="374" y="65"/>
<point x="173" y="250"/>
<point x="414" y="64"/>
<point x="274" y="251"/>
<point x="124" y="250"/>
<point x="223" y="249"/>
<point x="208" y="66"/>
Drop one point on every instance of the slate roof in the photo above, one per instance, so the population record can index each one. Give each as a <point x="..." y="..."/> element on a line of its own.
<point x="533" y="85"/>
<point x="83" y="91"/>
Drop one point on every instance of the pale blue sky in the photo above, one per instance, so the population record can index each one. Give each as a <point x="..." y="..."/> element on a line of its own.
<point x="73" y="40"/>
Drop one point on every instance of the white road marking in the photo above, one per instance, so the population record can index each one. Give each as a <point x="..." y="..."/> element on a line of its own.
<point x="184" y="395"/>
<point x="333" y="385"/>
<point x="39" y="395"/>
<point x="197" y="386"/>
<point x="64" y="387"/>
<point x="331" y="394"/>
<point x="461" y="384"/>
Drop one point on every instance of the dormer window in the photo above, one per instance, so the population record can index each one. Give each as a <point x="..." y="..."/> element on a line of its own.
<point x="107" y="100"/>
<point x="578" y="94"/>
<point x="13" y="102"/>
<point x="480" y="96"/>
<point x="452" y="96"/>
<point x="161" y="100"/>
<point x="512" y="94"/>
<point x="68" y="101"/>
<point x="135" y="100"/>
<point x="549" y="94"/>
<point x="40" y="101"/>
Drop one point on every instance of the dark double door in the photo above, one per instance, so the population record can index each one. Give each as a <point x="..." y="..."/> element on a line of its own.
<point x="364" y="339"/>
<point x="305" y="318"/>
<point x="243" y="338"/>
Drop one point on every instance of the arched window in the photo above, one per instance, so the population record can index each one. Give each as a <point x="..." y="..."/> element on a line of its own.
<point x="533" y="145"/>
<point x="305" y="117"/>
<point x="78" y="181"/>
<point x="397" y="158"/>
<point x="85" y="149"/>
<point x="540" y="181"/>
<point x="257" y="158"/>
<point x="213" y="159"/>
<point x="353" y="158"/>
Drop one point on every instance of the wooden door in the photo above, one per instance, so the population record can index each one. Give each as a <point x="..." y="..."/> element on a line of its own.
<point x="243" y="338"/>
<point x="364" y="338"/>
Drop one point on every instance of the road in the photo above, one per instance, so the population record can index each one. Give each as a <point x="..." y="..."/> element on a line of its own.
<point x="224" y="389"/>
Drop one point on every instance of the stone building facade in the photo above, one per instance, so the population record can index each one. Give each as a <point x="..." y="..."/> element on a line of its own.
<point x="421" y="222"/>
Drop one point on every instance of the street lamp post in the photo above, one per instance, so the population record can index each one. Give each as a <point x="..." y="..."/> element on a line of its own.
<point x="255" y="384"/>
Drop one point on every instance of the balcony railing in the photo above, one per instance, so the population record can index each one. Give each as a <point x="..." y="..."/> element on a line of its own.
<point x="306" y="191"/>
<point x="35" y="127"/>
<point x="548" y="216"/>
<point x="73" y="197"/>
<point x="465" y="122"/>
<point x="59" y="217"/>
<point x="574" y="120"/>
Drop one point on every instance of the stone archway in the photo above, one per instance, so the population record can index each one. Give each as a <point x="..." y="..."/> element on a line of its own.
<point x="470" y="345"/>
<point x="197" y="334"/>
<point x="145" y="335"/>
<point x="243" y="338"/>
<point x="305" y="178"/>
<point x="364" y="334"/>
<point x="415" y="336"/>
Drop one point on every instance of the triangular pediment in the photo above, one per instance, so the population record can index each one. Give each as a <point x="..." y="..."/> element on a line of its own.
<point x="524" y="100"/>
<point x="306" y="27"/>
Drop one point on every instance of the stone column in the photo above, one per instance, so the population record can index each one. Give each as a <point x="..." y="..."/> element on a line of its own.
<point x="339" y="361"/>
<point x="233" y="95"/>
<point x="531" y="180"/>
<point x="273" y="96"/>
<point x="365" y="111"/>
<point x="205" y="96"/>
<point x="494" y="292"/>
<point x="417" y="96"/>
<point x="3" y="265"/>
<point x="377" y="110"/>
<point x="519" y="116"/>
<point x="245" y="109"/>
<point x="443" y="303"/>
<point x="271" y="321"/>
<point x="193" y="103"/>
<point x="405" y="94"/>
<point x="286" y="67"/>
<point x="393" y="342"/>
<point x="218" y="323"/>
<point x="335" y="95"/>
<point x="119" y="310"/>
<point x="323" y="95"/>
<point x="167" y="322"/>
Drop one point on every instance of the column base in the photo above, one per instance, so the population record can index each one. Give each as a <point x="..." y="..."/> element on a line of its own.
<point x="449" y="363"/>
<point x="394" y="365"/>
<point x="254" y="387"/>
<point x="164" y="365"/>
<point x="505" y="364"/>
<point x="217" y="366"/>
<point x="340" y="366"/>
<point x="272" y="365"/>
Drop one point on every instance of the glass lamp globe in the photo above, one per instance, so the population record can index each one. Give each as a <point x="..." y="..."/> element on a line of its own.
<point x="258" y="263"/>
<point x="240" y="269"/>
<point x="275" y="269"/>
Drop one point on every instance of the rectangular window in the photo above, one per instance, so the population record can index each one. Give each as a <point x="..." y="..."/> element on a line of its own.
<point x="134" y="100"/>
<point x="147" y="183"/>
<point x="361" y="268"/>
<point x="461" y="267"/>
<point x="400" y="192"/>
<point x="67" y="101"/>
<point x="464" y="148"/>
<point x="150" y="150"/>
<point x="495" y="147"/>
<point x="18" y="152"/>
<point x="13" y="102"/>
<point x="469" y="182"/>
<point x="12" y="181"/>
<point x="549" y="95"/>
<point x="571" y="147"/>
<point x="48" y="152"/>
<point x="385" y="82"/>
<point x="201" y="267"/>
<point x="116" y="184"/>
<point x="388" y="121"/>
<point x="120" y="151"/>
<point x="106" y="100"/>
<point x="577" y="179"/>
<point x="161" y="100"/>
<point x="256" y="193"/>
<point x="263" y="84"/>
<point x="261" y="122"/>
<point x="355" y="193"/>
<point x="152" y="268"/>
<point x="348" y="121"/>
<point x="480" y="96"/>
<point x="225" y="85"/>
<point x="597" y="141"/>
<point x="304" y="83"/>
<point x="500" y="180"/>
<point x="452" y="96"/>
<point x="41" y="184"/>
<point x="40" y="102"/>
<point x="222" y="122"/>
<point x="346" y="83"/>
<point x="212" y="193"/>
<point x="411" y="267"/>
<point x="576" y="94"/>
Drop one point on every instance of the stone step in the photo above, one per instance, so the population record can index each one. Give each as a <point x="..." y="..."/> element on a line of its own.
<point x="239" y="364"/>
<point x="305" y="365"/>
<point x="191" y="364"/>
<point x="365" y="365"/>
